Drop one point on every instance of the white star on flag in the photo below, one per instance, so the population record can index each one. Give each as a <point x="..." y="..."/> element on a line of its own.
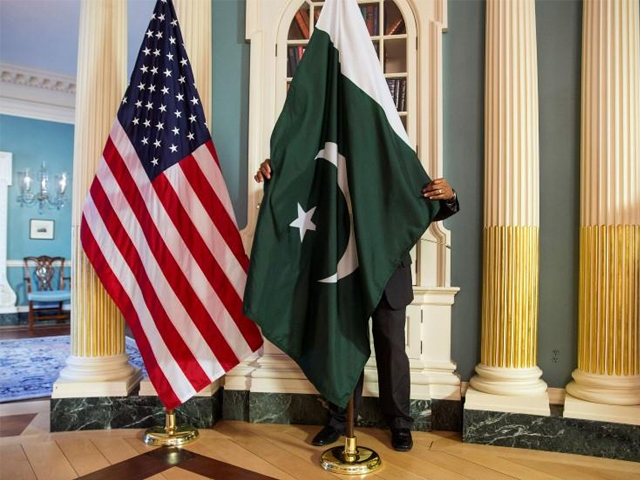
<point x="303" y="222"/>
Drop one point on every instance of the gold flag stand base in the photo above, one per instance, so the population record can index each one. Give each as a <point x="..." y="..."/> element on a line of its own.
<point x="350" y="459"/>
<point x="170" y="435"/>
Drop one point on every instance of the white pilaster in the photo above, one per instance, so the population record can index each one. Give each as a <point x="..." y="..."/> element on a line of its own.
<point x="7" y="295"/>
<point x="606" y="383"/>
<point x="98" y="364"/>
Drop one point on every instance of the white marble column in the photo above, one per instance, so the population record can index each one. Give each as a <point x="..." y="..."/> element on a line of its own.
<point x="606" y="383"/>
<point x="7" y="295"/>
<point x="508" y="365"/>
<point x="98" y="364"/>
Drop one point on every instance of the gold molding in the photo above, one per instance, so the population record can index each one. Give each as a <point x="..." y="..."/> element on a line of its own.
<point x="510" y="296"/>
<point x="609" y="300"/>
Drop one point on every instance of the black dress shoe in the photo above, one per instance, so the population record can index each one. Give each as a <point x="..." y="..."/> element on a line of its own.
<point x="326" y="436"/>
<point x="401" y="439"/>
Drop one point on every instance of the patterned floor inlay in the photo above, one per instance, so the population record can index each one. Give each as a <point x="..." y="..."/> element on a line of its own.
<point x="162" y="459"/>
<point x="12" y="425"/>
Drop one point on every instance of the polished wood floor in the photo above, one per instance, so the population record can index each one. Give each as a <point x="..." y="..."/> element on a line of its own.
<point x="242" y="451"/>
<point x="22" y="331"/>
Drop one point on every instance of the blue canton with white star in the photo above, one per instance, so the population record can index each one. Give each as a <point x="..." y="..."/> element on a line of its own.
<point x="161" y="110"/>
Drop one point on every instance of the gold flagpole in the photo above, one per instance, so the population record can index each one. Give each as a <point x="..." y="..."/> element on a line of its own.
<point x="170" y="435"/>
<point x="350" y="459"/>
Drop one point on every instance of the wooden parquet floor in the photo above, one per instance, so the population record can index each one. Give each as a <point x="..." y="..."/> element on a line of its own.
<point x="238" y="450"/>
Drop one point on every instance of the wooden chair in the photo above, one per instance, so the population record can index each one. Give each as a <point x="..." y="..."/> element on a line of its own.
<point x="46" y="288"/>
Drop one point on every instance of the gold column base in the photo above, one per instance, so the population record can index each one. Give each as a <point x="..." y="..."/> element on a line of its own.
<point x="350" y="459"/>
<point x="170" y="435"/>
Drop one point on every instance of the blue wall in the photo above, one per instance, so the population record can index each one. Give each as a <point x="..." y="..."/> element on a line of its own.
<point x="463" y="106"/>
<point x="231" y="98"/>
<point x="559" y="34"/>
<point x="32" y="142"/>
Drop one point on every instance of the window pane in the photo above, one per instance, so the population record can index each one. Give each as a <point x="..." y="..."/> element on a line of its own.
<point x="395" y="55"/>
<point x="299" y="29"/>
<point x="398" y="89"/>
<point x="371" y="14"/>
<point x="294" y="55"/>
<point x="393" y="21"/>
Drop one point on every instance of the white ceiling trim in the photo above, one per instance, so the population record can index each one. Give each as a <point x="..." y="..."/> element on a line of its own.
<point x="39" y="94"/>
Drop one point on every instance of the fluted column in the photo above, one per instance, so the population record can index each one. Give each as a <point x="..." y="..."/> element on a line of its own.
<point x="98" y="364"/>
<point x="195" y="22"/>
<point x="511" y="209"/>
<point x="609" y="311"/>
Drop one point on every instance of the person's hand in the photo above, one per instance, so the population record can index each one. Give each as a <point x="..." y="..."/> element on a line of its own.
<point x="264" y="172"/>
<point x="438" y="189"/>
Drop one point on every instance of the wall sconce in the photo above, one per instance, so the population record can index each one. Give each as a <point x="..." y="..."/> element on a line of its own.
<point x="42" y="197"/>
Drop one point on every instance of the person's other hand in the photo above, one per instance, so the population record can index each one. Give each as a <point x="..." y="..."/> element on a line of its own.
<point x="438" y="189"/>
<point x="264" y="172"/>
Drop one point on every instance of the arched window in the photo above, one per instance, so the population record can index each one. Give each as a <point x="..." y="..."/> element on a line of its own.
<point x="388" y="30"/>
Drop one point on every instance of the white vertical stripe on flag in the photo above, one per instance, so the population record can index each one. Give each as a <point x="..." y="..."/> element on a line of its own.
<point x="169" y="299"/>
<point x="172" y="371"/>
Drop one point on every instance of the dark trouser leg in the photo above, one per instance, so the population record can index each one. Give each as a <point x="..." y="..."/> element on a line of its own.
<point x="338" y="416"/>
<point x="394" y="377"/>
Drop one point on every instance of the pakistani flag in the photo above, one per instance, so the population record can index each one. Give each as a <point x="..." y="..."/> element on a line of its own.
<point x="343" y="207"/>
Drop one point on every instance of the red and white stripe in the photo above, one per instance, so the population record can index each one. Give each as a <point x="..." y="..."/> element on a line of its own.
<point x="169" y="253"/>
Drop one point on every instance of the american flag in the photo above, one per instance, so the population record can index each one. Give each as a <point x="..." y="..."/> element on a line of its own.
<point x="159" y="228"/>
